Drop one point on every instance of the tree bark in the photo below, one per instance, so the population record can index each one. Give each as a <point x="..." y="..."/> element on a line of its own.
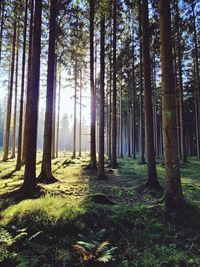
<point x="10" y="93"/>
<point x="58" y="114"/>
<point x="32" y="103"/>
<point x="114" y="93"/>
<point x="16" y="89"/>
<point x="173" y="191"/>
<point x="25" y="121"/>
<point x="46" y="175"/>
<point x="75" y="98"/>
<point x="101" y="170"/>
<point x="2" y="25"/>
<point x="93" y="160"/>
<point x="21" y="111"/>
<point x="80" y="114"/>
<point x="150" y="152"/>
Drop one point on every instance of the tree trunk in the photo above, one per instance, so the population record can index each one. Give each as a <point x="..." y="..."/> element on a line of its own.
<point x="54" y="110"/>
<point x="32" y="103"/>
<point x="150" y="153"/>
<point x="58" y="114"/>
<point x="142" y="159"/>
<point x="114" y="94"/>
<point x="173" y="191"/>
<point x="2" y="24"/>
<point x="121" y="121"/>
<point x="24" y="141"/>
<point x="75" y="98"/>
<point x="92" y="91"/>
<point x="196" y="59"/>
<point x="80" y="114"/>
<point x="10" y="93"/>
<point x="46" y="175"/>
<point x="101" y="171"/>
<point x="15" y="102"/>
<point x="181" y="104"/>
<point x="19" y="150"/>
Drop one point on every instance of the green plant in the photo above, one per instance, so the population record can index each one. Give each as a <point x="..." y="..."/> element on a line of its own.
<point x="95" y="254"/>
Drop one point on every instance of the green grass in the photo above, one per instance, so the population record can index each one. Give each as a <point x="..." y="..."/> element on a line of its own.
<point x="42" y="231"/>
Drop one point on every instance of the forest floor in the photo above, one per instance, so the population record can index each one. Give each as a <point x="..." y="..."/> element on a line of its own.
<point x="41" y="230"/>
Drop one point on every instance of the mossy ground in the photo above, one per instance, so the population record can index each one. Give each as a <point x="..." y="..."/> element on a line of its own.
<point x="40" y="231"/>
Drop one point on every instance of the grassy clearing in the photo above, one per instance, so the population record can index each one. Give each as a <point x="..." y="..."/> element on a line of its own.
<point x="42" y="231"/>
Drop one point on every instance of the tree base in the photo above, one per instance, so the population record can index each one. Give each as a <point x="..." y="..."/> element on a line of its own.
<point x="142" y="162"/>
<point x="46" y="179"/>
<point x="154" y="185"/>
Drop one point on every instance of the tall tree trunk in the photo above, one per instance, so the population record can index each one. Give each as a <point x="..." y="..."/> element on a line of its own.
<point x="32" y="103"/>
<point x="121" y="121"/>
<point x="151" y="164"/>
<point x="142" y="159"/>
<point x="54" y="110"/>
<point x="2" y="24"/>
<point x="173" y="191"/>
<point x="58" y="113"/>
<point x="46" y="175"/>
<point x="114" y="93"/>
<point x="196" y="60"/>
<point x="133" y="97"/>
<point x="75" y="106"/>
<point x="80" y="114"/>
<point x="10" y="93"/>
<point x="15" y="102"/>
<point x="24" y="143"/>
<point x="19" y="149"/>
<point x="92" y="91"/>
<point x="101" y="170"/>
<point x="181" y="104"/>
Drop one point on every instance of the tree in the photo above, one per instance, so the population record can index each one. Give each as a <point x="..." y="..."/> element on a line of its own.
<point x="19" y="150"/>
<point x="46" y="175"/>
<point x="114" y="92"/>
<point x="101" y="170"/>
<point x="32" y="104"/>
<point x="173" y="191"/>
<point x="92" y="90"/>
<point x="150" y="153"/>
<point x="10" y="93"/>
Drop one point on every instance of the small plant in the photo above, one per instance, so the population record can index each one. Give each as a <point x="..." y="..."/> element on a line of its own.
<point x="95" y="254"/>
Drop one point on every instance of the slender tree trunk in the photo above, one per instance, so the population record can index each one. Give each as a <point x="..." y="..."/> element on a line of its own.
<point x="15" y="103"/>
<point x="110" y="101"/>
<point x="101" y="170"/>
<point x="10" y="93"/>
<point x="133" y="98"/>
<point x="181" y="104"/>
<point x="151" y="164"/>
<point x="46" y="175"/>
<point x="54" y="110"/>
<point x="75" y="98"/>
<point x="196" y="59"/>
<point x="121" y="121"/>
<point x="19" y="150"/>
<point x="32" y="103"/>
<point x="58" y="114"/>
<point x="80" y="114"/>
<point x="173" y="190"/>
<point x="142" y="159"/>
<point x="92" y="91"/>
<point x="24" y="143"/>
<point x="114" y="93"/>
<point x="2" y="24"/>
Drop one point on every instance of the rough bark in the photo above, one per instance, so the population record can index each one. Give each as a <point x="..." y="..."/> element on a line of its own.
<point x="32" y="103"/>
<point x="114" y="93"/>
<point x="46" y="175"/>
<point x="10" y="94"/>
<point x="58" y="115"/>
<point x="21" y="111"/>
<point x="173" y="191"/>
<point x="101" y="170"/>
<point x="92" y="91"/>
<point x="150" y="152"/>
